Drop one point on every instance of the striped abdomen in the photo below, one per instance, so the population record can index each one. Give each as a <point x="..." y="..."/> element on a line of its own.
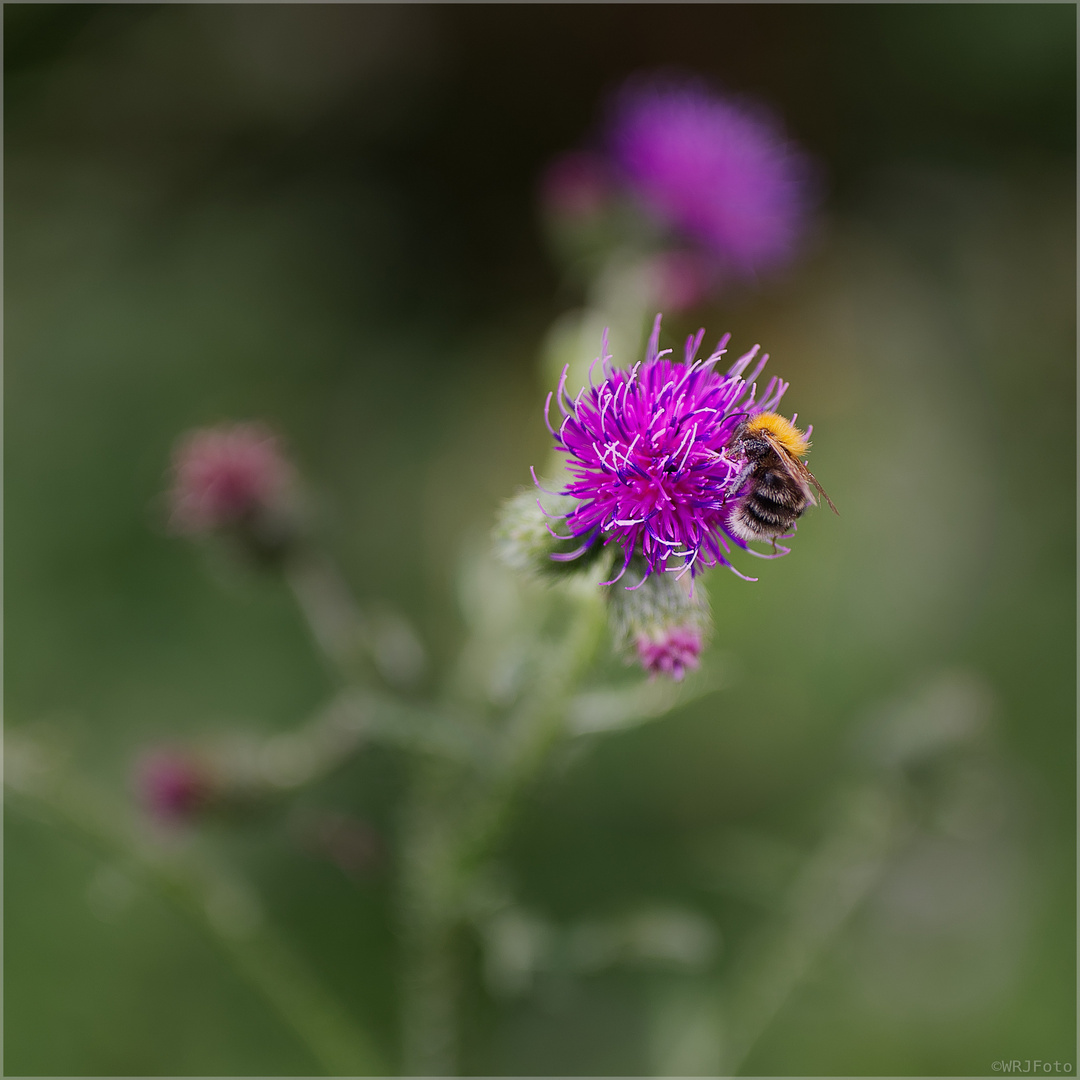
<point x="773" y="502"/>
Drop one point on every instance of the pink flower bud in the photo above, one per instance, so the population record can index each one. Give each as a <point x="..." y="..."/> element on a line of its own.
<point x="225" y="476"/>
<point x="672" y="651"/>
<point x="172" y="785"/>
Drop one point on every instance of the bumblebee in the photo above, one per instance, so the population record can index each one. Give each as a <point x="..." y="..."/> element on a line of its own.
<point x="778" y="483"/>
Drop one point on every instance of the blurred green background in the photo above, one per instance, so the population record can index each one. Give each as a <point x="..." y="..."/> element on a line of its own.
<point x="325" y="216"/>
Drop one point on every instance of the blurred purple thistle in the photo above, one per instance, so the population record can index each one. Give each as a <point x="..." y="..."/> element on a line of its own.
<point x="649" y="455"/>
<point x="720" y="172"/>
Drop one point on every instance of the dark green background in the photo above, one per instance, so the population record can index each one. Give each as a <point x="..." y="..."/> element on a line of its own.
<point x="325" y="216"/>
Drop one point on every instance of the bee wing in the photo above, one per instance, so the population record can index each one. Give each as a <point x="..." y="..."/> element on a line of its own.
<point x="820" y="490"/>
<point x="797" y="470"/>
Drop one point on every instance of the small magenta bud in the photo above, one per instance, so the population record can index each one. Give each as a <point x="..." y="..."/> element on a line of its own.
<point x="172" y="785"/>
<point x="225" y="476"/>
<point x="671" y="651"/>
<point x="662" y="623"/>
<point x="235" y="481"/>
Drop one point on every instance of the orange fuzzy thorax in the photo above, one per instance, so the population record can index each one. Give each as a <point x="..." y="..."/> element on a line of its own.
<point x="782" y="430"/>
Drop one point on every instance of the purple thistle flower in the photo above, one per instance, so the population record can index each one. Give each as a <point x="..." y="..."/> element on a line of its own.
<point x="720" y="172"/>
<point x="672" y="652"/>
<point x="649" y="455"/>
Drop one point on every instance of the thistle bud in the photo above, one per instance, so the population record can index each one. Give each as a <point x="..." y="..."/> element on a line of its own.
<point x="672" y="651"/>
<point x="235" y="480"/>
<point x="663" y="623"/>
<point x="173" y="785"/>
<point x="531" y="538"/>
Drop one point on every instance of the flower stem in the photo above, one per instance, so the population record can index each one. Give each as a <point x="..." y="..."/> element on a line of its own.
<point x="428" y="913"/>
<point x="833" y="883"/>
<point x="533" y="729"/>
<point x="336" y="622"/>
<point x="450" y="830"/>
<point x="357" y="644"/>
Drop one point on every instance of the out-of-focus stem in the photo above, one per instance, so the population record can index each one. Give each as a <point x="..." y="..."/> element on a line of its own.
<point x="355" y="718"/>
<point x="335" y="620"/>
<point x="356" y="644"/>
<point x="534" y="727"/>
<point x="221" y="905"/>
<point x="428" y="914"/>
<point x="829" y="889"/>
<point x="449" y="831"/>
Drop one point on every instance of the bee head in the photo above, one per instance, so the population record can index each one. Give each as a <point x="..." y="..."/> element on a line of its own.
<point x="777" y="429"/>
